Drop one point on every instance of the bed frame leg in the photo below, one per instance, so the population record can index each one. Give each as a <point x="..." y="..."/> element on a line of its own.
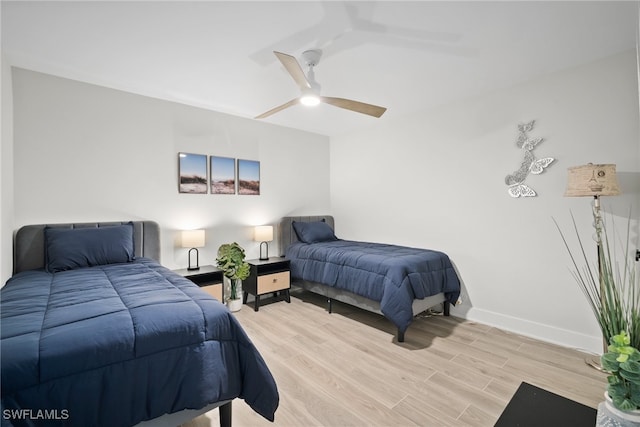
<point x="445" y="307"/>
<point x="400" y="336"/>
<point x="225" y="415"/>
<point x="330" y="305"/>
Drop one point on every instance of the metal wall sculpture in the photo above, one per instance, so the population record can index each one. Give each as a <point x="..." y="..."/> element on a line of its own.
<point x="530" y="164"/>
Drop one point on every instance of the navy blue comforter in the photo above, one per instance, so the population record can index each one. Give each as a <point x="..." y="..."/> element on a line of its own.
<point x="392" y="275"/>
<point x="117" y="344"/>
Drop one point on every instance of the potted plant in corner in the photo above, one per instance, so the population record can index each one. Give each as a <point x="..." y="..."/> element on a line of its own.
<point x="611" y="285"/>
<point x="613" y="292"/>
<point x="622" y="362"/>
<point x="231" y="261"/>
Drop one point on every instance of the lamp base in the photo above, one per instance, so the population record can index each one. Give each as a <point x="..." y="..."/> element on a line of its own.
<point x="197" y="266"/>
<point x="594" y="362"/>
<point x="266" y="251"/>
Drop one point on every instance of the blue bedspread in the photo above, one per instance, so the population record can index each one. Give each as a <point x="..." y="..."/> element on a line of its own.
<point x="392" y="275"/>
<point x="117" y="344"/>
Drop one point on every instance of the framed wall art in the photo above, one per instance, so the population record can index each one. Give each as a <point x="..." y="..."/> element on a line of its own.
<point x="248" y="177"/>
<point x="192" y="173"/>
<point x="223" y="175"/>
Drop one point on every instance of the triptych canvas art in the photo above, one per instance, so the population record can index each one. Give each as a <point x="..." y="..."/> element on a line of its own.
<point x="218" y="175"/>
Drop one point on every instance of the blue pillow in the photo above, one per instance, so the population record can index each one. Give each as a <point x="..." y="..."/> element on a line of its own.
<point x="70" y="248"/>
<point x="313" y="232"/>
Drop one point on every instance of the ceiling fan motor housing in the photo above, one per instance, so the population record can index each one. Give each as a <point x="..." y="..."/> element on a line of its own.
<point x="312" y="57"/>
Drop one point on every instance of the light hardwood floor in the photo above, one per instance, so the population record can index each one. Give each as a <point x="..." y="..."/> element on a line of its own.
<point x="346" y="368"/>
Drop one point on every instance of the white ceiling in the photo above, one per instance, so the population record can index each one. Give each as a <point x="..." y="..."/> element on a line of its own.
<point x="406" y="56"/>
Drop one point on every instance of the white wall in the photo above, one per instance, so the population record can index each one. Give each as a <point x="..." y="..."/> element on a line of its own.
<point x="87" y="153"/>
<point x="6" y="173"/>
<point x="436" y="180"/>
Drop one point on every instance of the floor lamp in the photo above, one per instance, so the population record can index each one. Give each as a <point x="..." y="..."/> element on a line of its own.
<point x="594" y="181"/>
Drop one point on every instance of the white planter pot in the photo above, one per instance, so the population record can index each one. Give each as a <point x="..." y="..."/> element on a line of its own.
<point x="632" y="416"/>
<point x="234" y="304"/>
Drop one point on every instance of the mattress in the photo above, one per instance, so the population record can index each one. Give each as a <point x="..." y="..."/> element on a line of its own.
<point x="116" y="344"/>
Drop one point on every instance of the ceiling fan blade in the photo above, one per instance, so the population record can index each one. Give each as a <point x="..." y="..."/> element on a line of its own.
<point x="359" y="107"/>
<point x="293" y="67"/>
<point x="279" y="108"/>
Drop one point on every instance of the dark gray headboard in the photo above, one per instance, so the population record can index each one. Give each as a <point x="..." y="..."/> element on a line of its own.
<point x="286" y="234"/>
<point x="28" y="250"/>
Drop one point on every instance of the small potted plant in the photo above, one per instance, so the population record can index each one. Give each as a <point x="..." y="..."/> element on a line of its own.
<point x="231" y="261"/>
<point x="622" y="362"/>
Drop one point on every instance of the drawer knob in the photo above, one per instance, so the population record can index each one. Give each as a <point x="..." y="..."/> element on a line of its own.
<point x="275" y="280"/>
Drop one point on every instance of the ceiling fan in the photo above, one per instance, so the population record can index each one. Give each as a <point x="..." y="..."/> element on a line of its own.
<point x="310" y="89"/>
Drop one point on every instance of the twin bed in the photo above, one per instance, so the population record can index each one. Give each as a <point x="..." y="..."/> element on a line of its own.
<point x="95" y="332"/>
<point x="395" y="281"/>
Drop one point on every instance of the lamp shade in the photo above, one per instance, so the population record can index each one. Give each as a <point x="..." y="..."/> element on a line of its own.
<point x="193" y="238"/>
<point x="263" y="233"/>
<point x="592" y="180"/>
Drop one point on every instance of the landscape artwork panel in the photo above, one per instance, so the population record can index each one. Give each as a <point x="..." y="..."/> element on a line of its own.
<point x="223" y="175"/>
<point x="192" y="173"/>
<point x="248" y="177"/>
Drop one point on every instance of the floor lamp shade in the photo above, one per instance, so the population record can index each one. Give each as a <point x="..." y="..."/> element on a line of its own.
<point x="263" y="234"/>
<point x="592" y="180"/>
<point x="193" y="239"/>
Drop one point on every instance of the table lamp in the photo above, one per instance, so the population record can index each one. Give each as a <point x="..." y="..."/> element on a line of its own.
<point x="263" y="234"/>
<point x="193" y="239"/>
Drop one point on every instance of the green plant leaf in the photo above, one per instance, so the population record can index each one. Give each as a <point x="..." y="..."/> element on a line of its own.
<point x="620" y="340"/>
<point x="622" y="358"/>
<point x="609" y="362"/>
<point x="616" y="391"/>
<point x="624" y="404"/>
<point x="613" y="380"/>
<point x="634" y="393"/>
<point x="243" y="271"/>
<point x="631" y="366"/>
<point x="634" y="377"/>
<point x="630" y="376"/>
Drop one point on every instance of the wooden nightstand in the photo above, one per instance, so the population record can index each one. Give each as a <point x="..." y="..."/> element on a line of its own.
<point x="267" y="276"/>
<point x="208" y="277"/>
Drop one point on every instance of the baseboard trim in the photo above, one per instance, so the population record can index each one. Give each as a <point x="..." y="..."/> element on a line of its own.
<point x="539" y="331"/>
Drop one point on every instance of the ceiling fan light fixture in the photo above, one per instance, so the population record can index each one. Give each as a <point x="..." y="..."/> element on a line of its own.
<point x="309" y="96"/>
<point x="310" y="100"/>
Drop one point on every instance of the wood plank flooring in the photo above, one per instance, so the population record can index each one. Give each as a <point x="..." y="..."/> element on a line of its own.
<point x="346" y="368"/>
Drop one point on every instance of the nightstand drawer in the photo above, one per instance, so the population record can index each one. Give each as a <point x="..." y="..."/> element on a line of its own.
<point x="273" y="282"/>
<point x="214" y="290"/>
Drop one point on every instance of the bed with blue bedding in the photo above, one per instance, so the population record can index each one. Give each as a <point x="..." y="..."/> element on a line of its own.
<point x="94" y="335"/>
<point x="396" y="281"/>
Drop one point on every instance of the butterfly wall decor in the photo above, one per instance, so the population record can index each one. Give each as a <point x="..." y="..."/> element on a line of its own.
<point x="530" y="164"/>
